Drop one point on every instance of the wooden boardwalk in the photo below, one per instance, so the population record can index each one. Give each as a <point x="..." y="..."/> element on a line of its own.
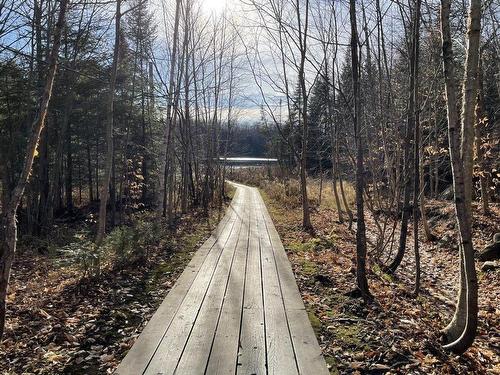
<point x="235" y="309"/>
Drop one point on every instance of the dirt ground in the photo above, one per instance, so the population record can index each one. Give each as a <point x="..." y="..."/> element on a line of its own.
<point x="59" y="322"/>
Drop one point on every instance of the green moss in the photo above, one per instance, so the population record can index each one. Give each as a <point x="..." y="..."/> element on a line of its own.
<point x="298" y="246"/>
<point x="192" y="240"/>
<point x="325" y="243"/>
<point x="480" y="275"/>
<point x="177" y="262"/>
<point x="385" y="276"/>
<point x="332" y="364"/>
<point x="339" y="298"/>
<point x="348" y="335"/>
<point x="160" y="269"/>
<point x="309" y="268"/>
<point x="332" y="313"/>
<point x="315" y="322"/>
<point x="314" y="244"/>
<point x="421" y="299"/>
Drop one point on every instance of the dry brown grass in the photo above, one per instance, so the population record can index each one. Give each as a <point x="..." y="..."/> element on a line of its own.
<point x="286" y="191"/>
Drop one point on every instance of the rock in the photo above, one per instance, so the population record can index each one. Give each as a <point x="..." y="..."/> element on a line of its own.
<point x="490" y="265"/>
<point x="106" y="358"/>
<point x="447" y="242"/>
<point x="447" y="193"/>
<point x="492" y="250"/>
<point x="323" y="280"/>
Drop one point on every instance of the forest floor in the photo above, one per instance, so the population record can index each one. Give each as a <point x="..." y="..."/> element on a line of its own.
<point x="398" y="333"/>
<point x="67" y="317"/>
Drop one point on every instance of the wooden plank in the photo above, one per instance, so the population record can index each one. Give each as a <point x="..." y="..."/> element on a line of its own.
<point x="238" y="291"/>
<point x="197" y="350"/>
<point x="279" y="348"/>
<point x="308" y="353"/>
<point x="252" y="353"/>
<point x="138" y="357"/>
<point x="224" y="353"/>
<point x="307" y="350"/>
<point x="291" y="294"/>
<point x="205" y="272"/>
<point x="171" y="347"/>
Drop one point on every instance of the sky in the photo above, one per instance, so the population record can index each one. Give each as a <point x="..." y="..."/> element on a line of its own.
<point x="256" y="48"/>
<point x="265" y="90"/>
<point x="249" y="98"/>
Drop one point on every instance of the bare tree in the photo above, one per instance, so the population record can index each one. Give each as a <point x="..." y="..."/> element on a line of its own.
<point x="287" y="26"/>
<point x="101" y="230"/>
<point x="481" y="124"/>
<point x="8" y="226"/>
<point x="164" y="154"/>
<point x="416" y="145"/>
<point x="461" y="331"/>
<point x="358" y="135"/>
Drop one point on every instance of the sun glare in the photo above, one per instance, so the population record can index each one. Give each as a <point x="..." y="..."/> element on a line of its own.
<point x="214" y="6"/>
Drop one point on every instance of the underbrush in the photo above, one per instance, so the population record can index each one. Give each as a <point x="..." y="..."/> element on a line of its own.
<point x="396" y="334"/>
<point x="77" y="309"/>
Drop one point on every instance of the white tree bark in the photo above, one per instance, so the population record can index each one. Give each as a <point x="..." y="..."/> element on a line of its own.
<point x="461" y="331"/>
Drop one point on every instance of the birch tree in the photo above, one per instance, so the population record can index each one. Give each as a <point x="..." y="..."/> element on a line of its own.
<point x="460" y="332"/>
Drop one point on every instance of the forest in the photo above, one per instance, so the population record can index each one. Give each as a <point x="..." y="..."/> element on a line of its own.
<point x="116" y="117"/>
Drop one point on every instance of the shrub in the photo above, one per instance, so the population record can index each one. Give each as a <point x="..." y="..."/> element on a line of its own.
<point x="85" y="255"/>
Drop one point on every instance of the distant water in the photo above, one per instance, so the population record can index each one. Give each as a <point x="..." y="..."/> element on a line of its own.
<point x="249" y="160"/>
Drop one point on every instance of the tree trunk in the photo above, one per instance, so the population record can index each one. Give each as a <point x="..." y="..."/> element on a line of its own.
<point x="108" y="166"/>
<point x="361" y="229"/>
<point x="407" y="163"/>
<point x="481" y="123"/>
<point x="164" y="148"/>
<point x="58" y="164"/>
<point x="306" y="215"/>
<point x="429" y="236"/>
<point x="436" y="157"/>
<point x="334" y="186"/>
<point x="344" y="200"/>
<point x="334" y="142"/>
<point x="69" y="161"/>
<point x="89" y="171"/>
<point x="416" y="146"/>
<point x="43" y="181"/>
<point x="8" y="227"/>
<point x="461" y="331"/>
